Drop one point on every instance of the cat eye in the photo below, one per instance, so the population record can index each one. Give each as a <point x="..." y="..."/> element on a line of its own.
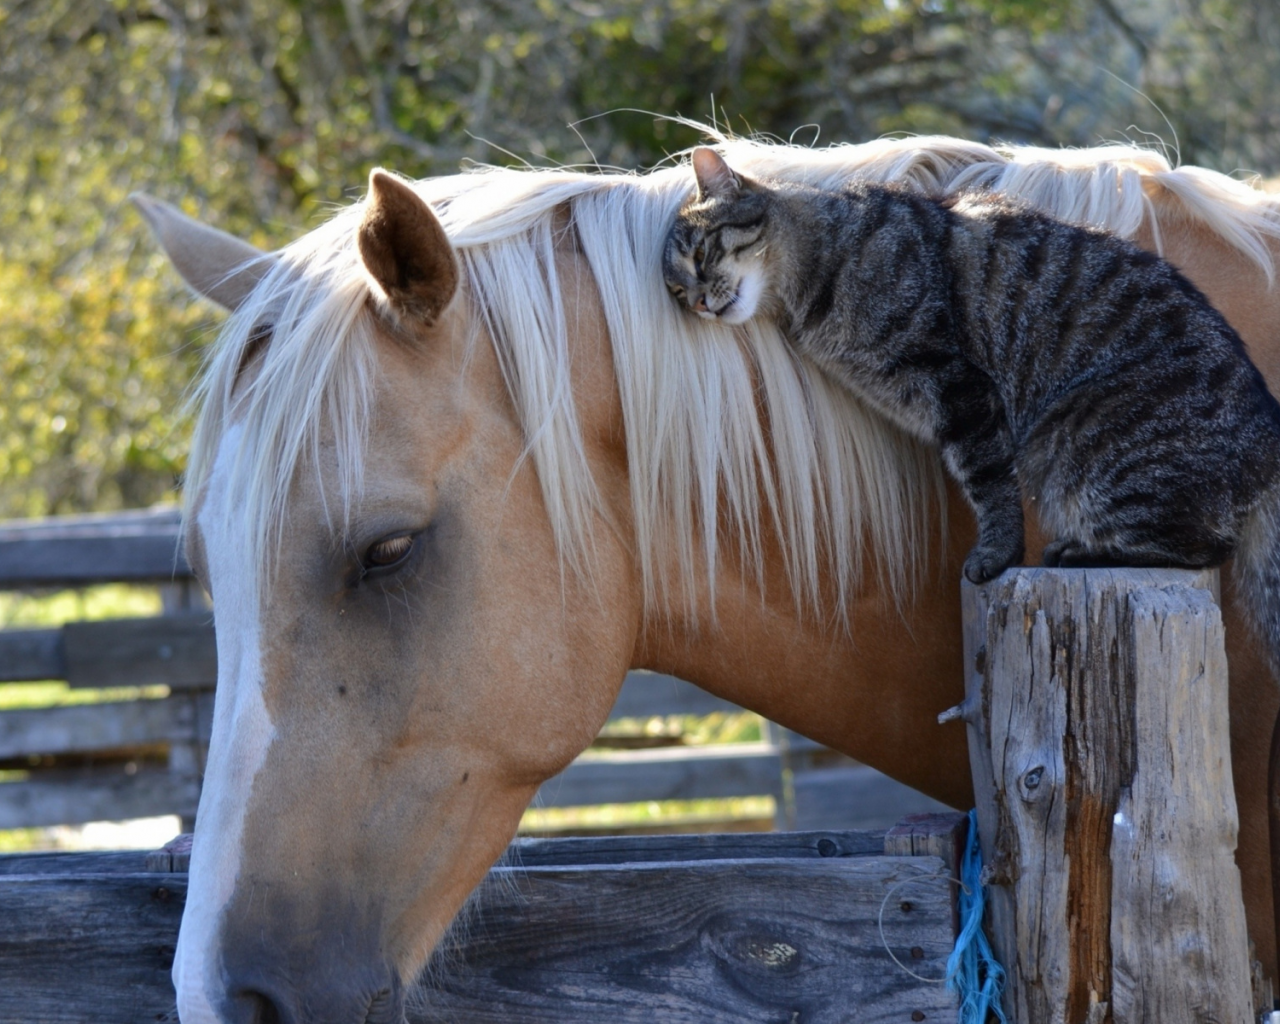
<point x="700" y="253"/>
<point x="387" y="553"/>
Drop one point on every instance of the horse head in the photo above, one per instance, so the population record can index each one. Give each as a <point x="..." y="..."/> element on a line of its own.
<point x="403" y="656"/>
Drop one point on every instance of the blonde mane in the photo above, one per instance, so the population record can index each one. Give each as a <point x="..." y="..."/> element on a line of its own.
<point x="726" y="429"/>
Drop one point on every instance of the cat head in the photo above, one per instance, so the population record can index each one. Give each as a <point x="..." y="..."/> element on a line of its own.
<point x="715" y="257"/>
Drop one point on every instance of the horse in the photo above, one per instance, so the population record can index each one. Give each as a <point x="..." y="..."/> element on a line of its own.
<point x="460" y="463"/>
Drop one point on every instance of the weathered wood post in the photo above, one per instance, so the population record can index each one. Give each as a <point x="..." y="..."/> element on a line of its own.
<point x="1097" y="712"/>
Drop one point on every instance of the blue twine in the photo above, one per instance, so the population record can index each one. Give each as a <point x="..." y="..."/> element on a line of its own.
<point x="972" y="970"/>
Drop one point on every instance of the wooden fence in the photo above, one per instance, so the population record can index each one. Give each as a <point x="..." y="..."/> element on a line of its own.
<point x="742" y="928"/>
<point x="144" y="757"/>
<point x="1098" y="736"/>
<point x="1099" y="745"/>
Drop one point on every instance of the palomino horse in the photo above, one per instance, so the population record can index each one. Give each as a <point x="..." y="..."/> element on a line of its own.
<point x="461" y="463"/>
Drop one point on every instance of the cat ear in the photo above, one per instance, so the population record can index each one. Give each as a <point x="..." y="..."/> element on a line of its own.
<point x="716" y="179"/>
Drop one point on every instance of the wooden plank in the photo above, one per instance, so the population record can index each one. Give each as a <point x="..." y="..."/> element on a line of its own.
<point x="95" y="795"/>
<point x="31" y="655"/>
<point x="937" y="834"/>
<point x="649" y="694"/>
<point x="88" y="862"/>
<point x="1056" y="662"/>
<point x="1178" y="936"/>
<point x="157" y="517"/>
<point x="710" y="846"/>
<point x="88" y="948"/>
<point x="854" y="797"/>
<point x="85" y="728"/>
<point x="710" y="942"/>
<point x="73" y="551"/>
<point x="179" y="651"/>
<point x="672" y="773"/>
<point x="175" y="855"/>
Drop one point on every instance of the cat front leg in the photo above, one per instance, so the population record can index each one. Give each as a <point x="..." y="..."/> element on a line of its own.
<point x="978" y="449"/>
<point x="1001" y="538"/>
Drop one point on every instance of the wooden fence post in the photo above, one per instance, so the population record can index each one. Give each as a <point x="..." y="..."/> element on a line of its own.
<point x="1097" y="712"/>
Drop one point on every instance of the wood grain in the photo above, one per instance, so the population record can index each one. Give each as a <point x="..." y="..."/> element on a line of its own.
<point x="88" y="947"/>
<point x="74" y="550"/>
<point x="1063" y="666"/>
<point x="1179" y="946"/>
<point x="179" y="651"/>
<point x="711" y="942"/>
<point x="90" y="862"/>
<point x="96" y="794"/>
<point x="31" y="654"/>
<point x="673" y="773"/>
<point x="854" y="796"/>
<point x="649" y="694"/>
<point x="763" y="936"/>
<point x="112" y="725"/>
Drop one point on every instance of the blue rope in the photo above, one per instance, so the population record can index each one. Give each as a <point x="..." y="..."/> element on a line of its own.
<point x="972" y="970"/>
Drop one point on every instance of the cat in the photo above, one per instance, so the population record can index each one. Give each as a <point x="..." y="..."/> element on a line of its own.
<point x="1039" y="356"/>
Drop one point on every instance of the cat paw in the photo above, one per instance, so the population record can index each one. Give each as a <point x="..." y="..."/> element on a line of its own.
<point x="1067" y="554"/>
<point x="1056" y="550"/>
<point x="986" y="563"/>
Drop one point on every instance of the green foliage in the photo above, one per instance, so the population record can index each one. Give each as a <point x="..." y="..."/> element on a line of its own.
<point x="258" y="115"/>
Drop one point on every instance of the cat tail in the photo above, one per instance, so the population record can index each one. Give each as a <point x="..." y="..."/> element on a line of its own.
<point x="1257" y="571"/>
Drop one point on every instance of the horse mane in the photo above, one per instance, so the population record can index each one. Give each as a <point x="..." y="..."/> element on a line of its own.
<point x="726" y="428"/>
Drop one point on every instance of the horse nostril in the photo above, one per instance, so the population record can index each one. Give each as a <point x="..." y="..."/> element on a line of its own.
<point x="256" y="1008"/>
<point x="387" y="1007"/>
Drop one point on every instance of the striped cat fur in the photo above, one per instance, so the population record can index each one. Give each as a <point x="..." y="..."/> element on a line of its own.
<point x="1040" y="356"/>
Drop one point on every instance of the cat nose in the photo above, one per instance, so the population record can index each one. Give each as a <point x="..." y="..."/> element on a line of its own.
<point x="701" y="305"/>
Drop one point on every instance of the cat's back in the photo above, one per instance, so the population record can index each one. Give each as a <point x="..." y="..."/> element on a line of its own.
<point x="1047" y="297"/>
<point x="1106" y="347"/>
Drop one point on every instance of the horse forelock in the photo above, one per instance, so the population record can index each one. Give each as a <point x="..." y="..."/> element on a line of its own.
<point x="724" y="428"/>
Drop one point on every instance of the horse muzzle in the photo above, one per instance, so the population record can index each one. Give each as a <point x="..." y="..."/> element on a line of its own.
<point x="282" y="961"/>
<point x="260" y="998"/>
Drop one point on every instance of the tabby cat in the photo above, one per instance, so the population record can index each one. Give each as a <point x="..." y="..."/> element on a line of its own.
<point x="1038" y="355"/>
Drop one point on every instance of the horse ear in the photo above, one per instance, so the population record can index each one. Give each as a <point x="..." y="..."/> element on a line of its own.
<point x="405" y="249"/>
<point x="716" y="179"/>
<point x="218" y="266"/>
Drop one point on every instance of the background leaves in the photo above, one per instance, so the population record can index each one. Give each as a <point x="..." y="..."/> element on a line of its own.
<point x="259" y="115"/>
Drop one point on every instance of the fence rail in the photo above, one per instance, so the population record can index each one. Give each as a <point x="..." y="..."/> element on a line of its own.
<point x="713" y="928"/>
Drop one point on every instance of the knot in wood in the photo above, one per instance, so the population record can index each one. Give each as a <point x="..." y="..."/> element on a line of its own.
<point x="773" y="954"/>
<point x="1030" y="781"/>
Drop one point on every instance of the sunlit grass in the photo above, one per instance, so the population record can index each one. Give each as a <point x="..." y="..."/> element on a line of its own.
<point x="23" y="840"/>
<point x="689" y="814"/>
<point x="55" y="694"/>
<point x="106" y="601"/>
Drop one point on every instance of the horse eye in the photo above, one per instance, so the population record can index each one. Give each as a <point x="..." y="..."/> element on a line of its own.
<point x="385" y="553"/>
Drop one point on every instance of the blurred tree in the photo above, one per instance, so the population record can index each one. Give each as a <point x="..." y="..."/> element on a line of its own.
<point x="258" y="115"/>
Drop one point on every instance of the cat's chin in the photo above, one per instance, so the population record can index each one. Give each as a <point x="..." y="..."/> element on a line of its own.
<point x="733" y="314"/>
